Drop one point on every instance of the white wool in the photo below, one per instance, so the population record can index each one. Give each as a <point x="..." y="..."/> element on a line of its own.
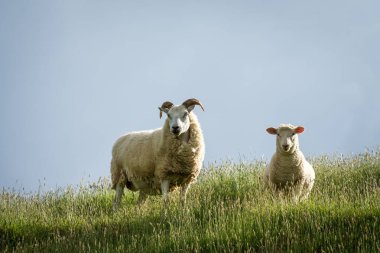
<point x="155" y="161"/>
<point x="289" y="169"/>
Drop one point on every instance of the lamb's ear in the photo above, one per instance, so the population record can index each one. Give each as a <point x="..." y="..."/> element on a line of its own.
<point x="299" y="130"/>
<point x="165" y="107"/>
<point x="272" y="130"/>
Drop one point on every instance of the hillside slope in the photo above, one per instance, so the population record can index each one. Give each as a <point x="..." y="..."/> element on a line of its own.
<point x="228" y="210"/>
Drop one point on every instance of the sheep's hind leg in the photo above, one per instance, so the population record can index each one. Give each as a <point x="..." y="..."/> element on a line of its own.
<point x="118" y="195"/>
<point x="141" y="199"/>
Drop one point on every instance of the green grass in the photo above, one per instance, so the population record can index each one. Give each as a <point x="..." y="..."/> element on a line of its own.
<point x="228" y="210"/>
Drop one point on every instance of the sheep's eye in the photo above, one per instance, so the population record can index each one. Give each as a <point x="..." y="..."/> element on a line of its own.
<point x="278" y="135"/>
<point x="169" y="116"/>
<point x="185" y="115"/>
<point x="293" y="134"/>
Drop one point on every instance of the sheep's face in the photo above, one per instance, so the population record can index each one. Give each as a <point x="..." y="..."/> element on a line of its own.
<point x="179" y="120"/>
<point x="178" y="115"/>
<point x="287" y="137"/>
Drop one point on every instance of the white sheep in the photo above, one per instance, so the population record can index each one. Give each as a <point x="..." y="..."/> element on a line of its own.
<point x="158" y="161"/>
<point x="288" y="169"/>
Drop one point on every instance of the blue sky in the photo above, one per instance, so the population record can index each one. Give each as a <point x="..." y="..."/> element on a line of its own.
<point x="75" y="75"/>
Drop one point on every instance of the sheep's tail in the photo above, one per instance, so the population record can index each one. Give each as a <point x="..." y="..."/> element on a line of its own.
<point x="117" y="175"/>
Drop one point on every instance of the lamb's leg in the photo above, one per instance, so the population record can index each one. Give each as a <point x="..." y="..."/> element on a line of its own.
<point x="266" y="177"/>
<point x="184" y="189"/>
<point x="296" y="191"/>
<point x="165" y="191"/>
<point x="304" y="195"/>
<point x="306" y="190"/>
<point x="118" y="195"/>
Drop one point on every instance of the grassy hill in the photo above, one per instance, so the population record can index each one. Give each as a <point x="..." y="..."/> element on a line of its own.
<point x="228" y="210"/>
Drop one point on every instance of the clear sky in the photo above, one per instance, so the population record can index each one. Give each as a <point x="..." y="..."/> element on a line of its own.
<point x="75" y="75"/>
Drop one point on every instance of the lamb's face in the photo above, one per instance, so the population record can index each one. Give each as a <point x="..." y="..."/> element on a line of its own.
<point x="179" y="120"/>
<point x="287" y="138"/>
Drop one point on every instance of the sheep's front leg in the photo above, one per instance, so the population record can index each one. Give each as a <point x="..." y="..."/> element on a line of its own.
<point x="184" y="189"/>
<point x="118" y="195"/>
<point x="165" y="191"/>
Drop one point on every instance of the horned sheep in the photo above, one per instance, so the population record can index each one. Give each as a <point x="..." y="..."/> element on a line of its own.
<point x="158" y="161"/>
<point x="288" y="170"/>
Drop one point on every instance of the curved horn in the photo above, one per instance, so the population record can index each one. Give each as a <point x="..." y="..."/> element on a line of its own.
<point x="166" y="105"/>
<point x="192" y="101"/>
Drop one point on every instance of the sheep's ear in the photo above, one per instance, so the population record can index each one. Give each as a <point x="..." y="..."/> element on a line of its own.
<point x="165" y="110"/>
<point x="299" y="130"/>
<point x="272" y="130"/>
<point x="165" y="107"/>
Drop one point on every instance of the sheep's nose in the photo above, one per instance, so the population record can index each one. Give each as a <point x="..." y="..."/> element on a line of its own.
<point x="286" y="147"/>
<point x="175" y="128"/>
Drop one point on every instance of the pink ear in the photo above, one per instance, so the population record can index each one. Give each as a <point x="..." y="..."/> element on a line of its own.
<point x="299" y="130"/>
<point x="272" y="130"/>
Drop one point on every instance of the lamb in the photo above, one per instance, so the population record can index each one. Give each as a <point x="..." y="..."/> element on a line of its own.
<point x="158" y="161"/>
<point x="288" y="170"/>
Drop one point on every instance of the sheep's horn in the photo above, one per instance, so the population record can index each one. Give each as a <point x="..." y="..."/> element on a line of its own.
<point x="165" y="105"/>
<point x="192" y="101"/>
